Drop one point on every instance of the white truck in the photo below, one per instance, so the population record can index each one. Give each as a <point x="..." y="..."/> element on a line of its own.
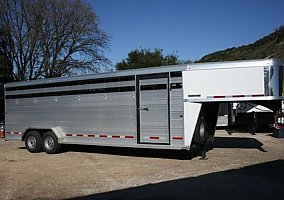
<point x="170" y="107"/>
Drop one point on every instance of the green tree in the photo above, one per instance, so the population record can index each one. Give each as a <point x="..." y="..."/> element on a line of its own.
<point x="270" y="46"/>
<point x="147" y="58"/>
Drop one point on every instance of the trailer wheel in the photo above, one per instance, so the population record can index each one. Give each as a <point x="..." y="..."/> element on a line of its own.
<point x="50" y="143"/>
<point x="33" y="142"/>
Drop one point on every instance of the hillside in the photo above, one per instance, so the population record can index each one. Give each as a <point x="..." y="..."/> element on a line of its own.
<point x="267" y="47"/>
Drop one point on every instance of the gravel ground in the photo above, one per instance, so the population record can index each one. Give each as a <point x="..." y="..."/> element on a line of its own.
<point x="241" y="166"/>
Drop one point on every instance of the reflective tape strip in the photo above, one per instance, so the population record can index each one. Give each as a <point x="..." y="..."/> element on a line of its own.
<point x="129" y="137"/>
<point x="103" y="136"/>
<point x="177" y="138"/>
<point x="91" y="135"/>
<point x="238" y="96"/>
<point x="258" y="95"/>
<point x="234" y="96"/>
<point x="154" y="138"/>
<point x="218" y="97"/>
<point x="14" y="133"/>
<point x="99" y="136"/>
<point x="124" y="137"/>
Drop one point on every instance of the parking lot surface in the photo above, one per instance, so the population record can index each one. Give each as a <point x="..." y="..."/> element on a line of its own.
<point x="241" y="166"/>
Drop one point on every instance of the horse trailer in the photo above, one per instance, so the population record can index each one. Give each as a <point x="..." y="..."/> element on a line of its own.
<point x="169" y="107"/>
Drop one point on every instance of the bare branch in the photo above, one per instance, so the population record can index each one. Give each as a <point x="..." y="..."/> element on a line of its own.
<point x="43" y="38"/>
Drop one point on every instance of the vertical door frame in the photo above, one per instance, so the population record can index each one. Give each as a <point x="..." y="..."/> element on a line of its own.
<point x="152" y="76"/>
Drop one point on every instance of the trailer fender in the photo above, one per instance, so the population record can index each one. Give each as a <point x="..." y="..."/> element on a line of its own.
<point x="43" y="130"/>
<point x="57" y="134"/>
<point x="206" y="124"/>
<point x="191" y="115"/>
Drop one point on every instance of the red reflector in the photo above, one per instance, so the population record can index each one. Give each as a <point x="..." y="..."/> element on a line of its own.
<point x="218" y="97"/>
<point x="177" y="138"/>
<point x="257" y="95"/>
<point x="238" y="96"/>
<point x="68" y="134"/>
<point x="154" y="138"/>
<point x="90" y="135"/>
<point x="8" y="132"/>
<point x="129" y="136"/>
<point x="115" y="136"/>
<point x="103" y="136"/>
<point x="79" y="135"/>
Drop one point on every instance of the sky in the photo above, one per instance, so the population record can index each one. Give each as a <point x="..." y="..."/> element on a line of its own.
<point x="189" y="28"/>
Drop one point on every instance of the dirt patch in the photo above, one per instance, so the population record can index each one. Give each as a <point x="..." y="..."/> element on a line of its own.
<point x="241" y="166"/>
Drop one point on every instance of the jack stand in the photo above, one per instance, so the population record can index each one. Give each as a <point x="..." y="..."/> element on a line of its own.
<point x="203" y="151"/>
<point x="253" y="131"/>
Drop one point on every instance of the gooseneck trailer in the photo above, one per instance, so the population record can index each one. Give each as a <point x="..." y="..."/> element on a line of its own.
<point x="170" y="107"/>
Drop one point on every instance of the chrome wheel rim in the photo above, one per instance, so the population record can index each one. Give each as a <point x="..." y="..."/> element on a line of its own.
<point x="31" y="142"/>
<point x="49" y="143"/>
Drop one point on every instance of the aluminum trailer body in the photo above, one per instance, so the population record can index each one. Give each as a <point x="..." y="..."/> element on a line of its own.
<point x="168" y="107"/>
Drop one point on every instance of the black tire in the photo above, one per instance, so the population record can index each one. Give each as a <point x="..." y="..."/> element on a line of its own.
<point x="50" y="143"/>
<point x="33" y="142"/>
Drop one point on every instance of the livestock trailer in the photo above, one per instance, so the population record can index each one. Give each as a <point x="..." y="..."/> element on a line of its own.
<point x="169" y="107"/>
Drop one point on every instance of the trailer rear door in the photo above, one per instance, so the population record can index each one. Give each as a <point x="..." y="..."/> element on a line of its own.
<point x="153" y="108"/>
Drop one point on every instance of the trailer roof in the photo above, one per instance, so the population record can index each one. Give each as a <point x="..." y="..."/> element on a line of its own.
<point x="236" y="64"/>
<point x="149" y="70"/>
<point x="153" y="70"/>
